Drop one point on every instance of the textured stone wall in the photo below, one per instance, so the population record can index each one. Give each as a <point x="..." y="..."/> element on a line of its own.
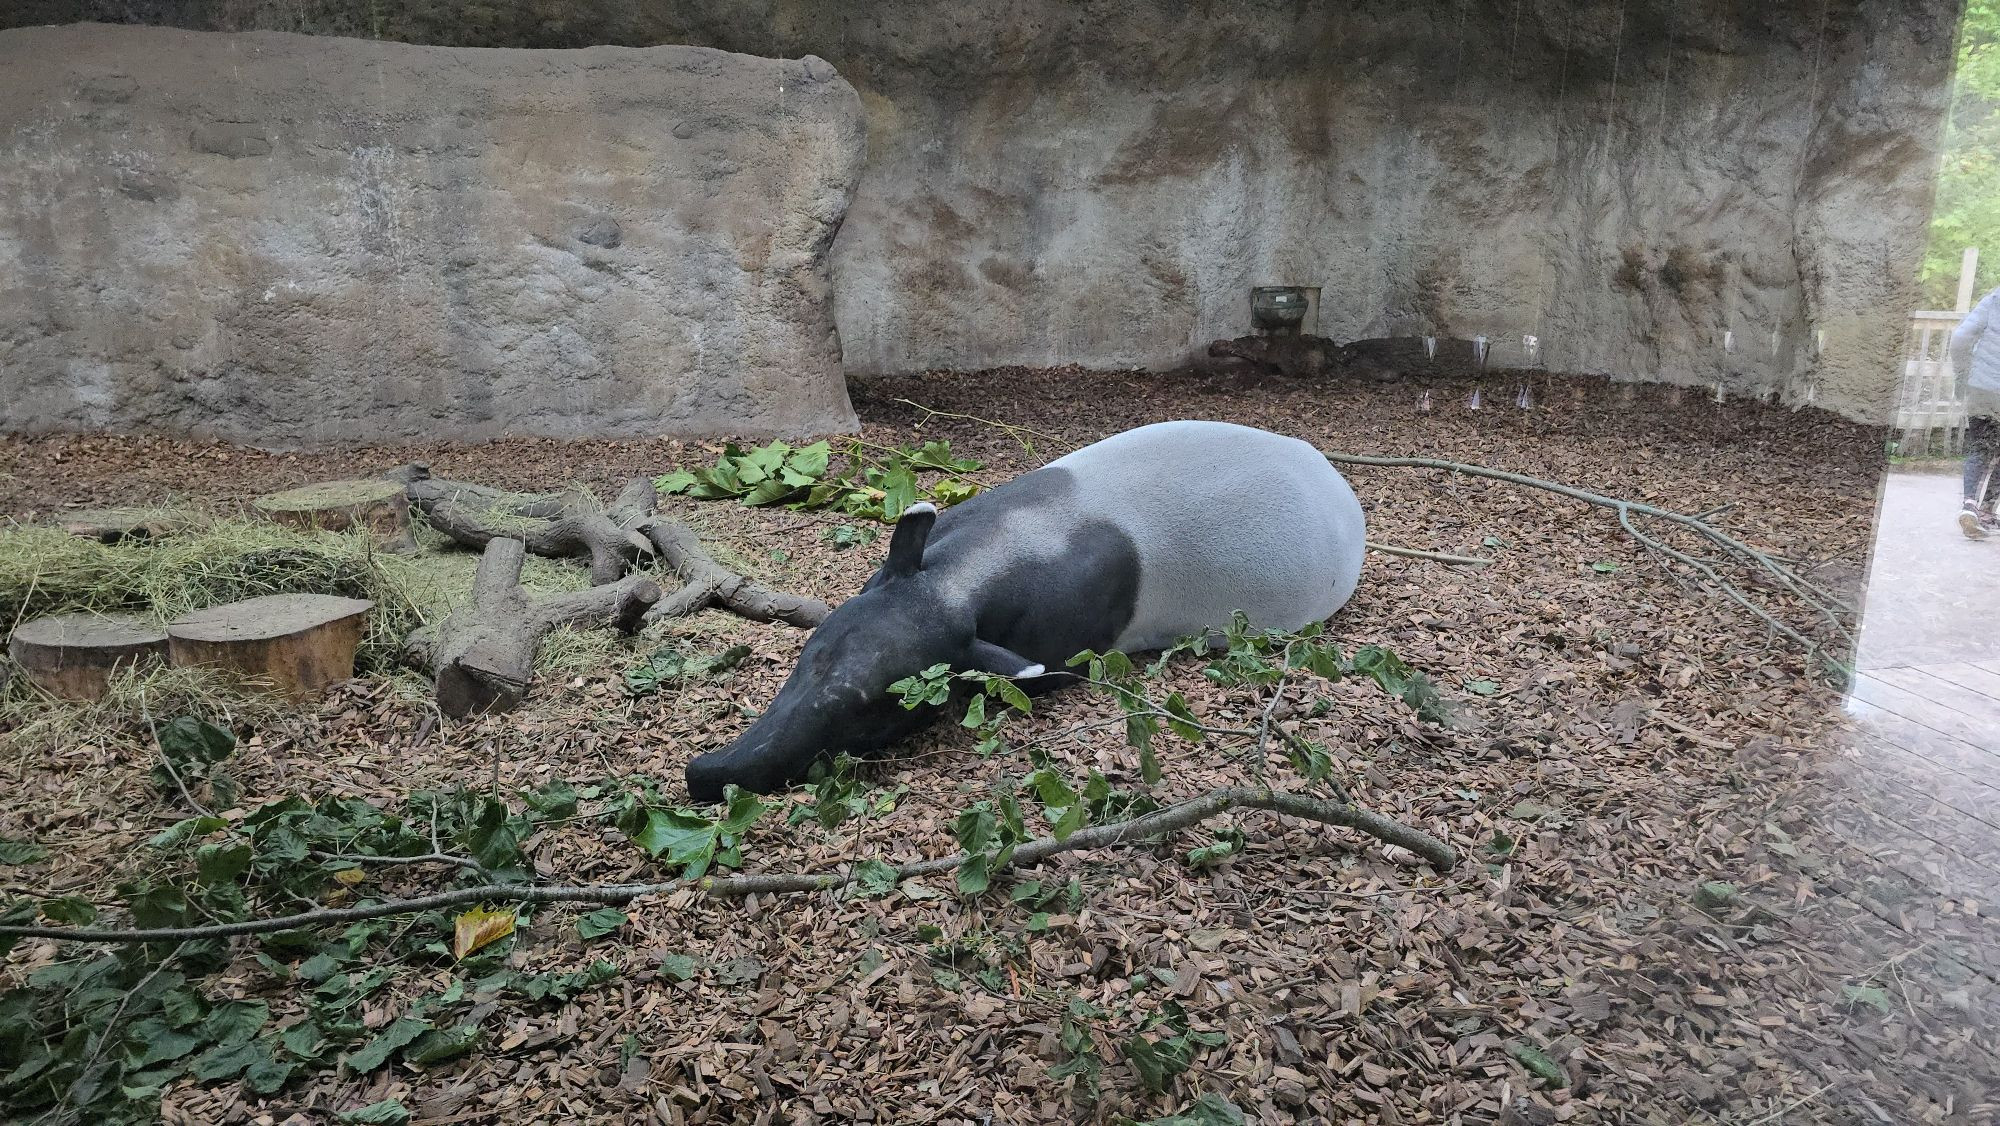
<point x="1101" y="181"/>
<point x="286" y="239"/>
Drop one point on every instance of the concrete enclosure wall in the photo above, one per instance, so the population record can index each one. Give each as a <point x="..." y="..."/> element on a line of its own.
<point x="286" y="239"/>
<point x="1633" y="182"/>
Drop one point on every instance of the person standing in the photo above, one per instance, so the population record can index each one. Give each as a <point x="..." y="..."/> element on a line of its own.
<point x="1975" y="360"/>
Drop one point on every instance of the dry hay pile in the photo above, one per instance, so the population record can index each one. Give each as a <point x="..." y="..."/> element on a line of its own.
<point x="1622" y="743"/>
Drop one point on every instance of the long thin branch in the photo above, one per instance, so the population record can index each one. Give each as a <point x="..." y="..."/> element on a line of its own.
<point x="1439" y="556"/>
<point x="1174" y="817"/>
<point x="1167" y="820"/>
<point x="428" y="858"/>
<point x="485" y="893"/>
<point x="1828" y="604"/>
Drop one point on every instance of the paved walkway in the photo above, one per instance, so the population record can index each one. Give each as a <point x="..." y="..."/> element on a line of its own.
<point x="1926" y="695"/>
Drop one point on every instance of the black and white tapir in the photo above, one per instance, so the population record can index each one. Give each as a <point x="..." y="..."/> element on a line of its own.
<point x="1147" y="537"/>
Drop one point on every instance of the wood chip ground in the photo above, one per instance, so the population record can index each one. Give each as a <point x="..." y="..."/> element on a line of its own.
<point x="1632" y="739"/>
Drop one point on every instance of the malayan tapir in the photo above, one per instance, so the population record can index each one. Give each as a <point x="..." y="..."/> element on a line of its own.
<point x="1133" y="543"/>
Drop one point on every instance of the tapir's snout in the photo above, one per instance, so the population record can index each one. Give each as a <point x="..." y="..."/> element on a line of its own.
<point x="762" y="760"/>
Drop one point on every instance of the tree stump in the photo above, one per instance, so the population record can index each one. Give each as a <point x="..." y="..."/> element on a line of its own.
<point x="113" y="525"/>
<point x="482" y="655"/>
<point x="297" y="643"/>
<point x="73" y="656"/>
<point x="380" y="507"/>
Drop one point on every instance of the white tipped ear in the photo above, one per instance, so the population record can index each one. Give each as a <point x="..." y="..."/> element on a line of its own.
<point x="985" y="656"/>
<point x="906" y="544"/>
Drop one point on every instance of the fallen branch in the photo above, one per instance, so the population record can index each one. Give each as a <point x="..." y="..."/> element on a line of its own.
<point x="485" y="893"/>
<point x="1828" y="604"/>
<point x="556" y="525"/>
<point x="482" y="656"/>
<point x="562" y="525"/>
<point x="1138" y="829"/>
<point x="1180" y="815"/>
<point x="1438" y="556"/>
<point x="707" y="583"/>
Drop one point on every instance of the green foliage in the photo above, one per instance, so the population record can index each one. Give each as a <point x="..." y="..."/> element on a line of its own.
<point x="844" y="536"/>
<point x="691" y="839"/>
<point x="102" y="1035"/>
<point x="600" y="922"/>
<point x="878" y="483"/>
<point x="1226" y="843"/>
<point x="1967" y="208"/>
<point x="1538" y="1063"/>
<point x="195" y="748"/>
<point x="668" y="665"/>
<point x="839" y="794"/>
<point x="1208" y="1110"/>
<point x="22" y="852"/>
<point x="1158" y="1060"/>
<point x="388" y="1112"/>
<point x="988" y="831"/>
<point x="1873" y="996"/>
<point x="875" y="879"/>
<point x="1243" y="658"/>
<point x="934" y="686"/>
<point x="1081" y="1058"/>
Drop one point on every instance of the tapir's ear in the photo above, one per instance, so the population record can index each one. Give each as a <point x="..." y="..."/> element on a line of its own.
<point x="984" y="656"/>
<point x="906" y="546"/>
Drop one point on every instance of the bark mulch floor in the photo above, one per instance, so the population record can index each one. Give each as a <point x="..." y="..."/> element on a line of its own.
<point x="1631" y="738"/>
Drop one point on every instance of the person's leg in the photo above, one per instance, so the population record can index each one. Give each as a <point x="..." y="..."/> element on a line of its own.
<point x="1982" y="459"/>
<point x="1978" y="457"/>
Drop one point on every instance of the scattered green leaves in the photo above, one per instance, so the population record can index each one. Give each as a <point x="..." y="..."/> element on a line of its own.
<point x="1872" y="996"/>
<point x="669" y="665"/>
<point x="388" y="1112"/>
<point x="1208" y="1110"/>
<point x="844" y="536"/>
<point x="1539" y="1063"/>
<point x="22" y="852"/>
<point x="1157" y="1061"/>
<point x="600" y="922"/>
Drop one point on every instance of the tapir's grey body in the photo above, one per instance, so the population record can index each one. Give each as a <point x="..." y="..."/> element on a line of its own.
<point x="1222" y="518"/>
<point x="1149" y="536"/>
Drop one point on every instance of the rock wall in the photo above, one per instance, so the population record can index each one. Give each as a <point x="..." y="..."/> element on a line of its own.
<point x="287" y="240"/>
<point x="1691" y="191"/>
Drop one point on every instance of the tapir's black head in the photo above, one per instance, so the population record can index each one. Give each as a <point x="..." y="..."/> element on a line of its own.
<point x="838" y="699"/>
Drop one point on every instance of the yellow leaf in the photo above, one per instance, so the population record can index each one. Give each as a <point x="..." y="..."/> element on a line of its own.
<point x="350" y="876"/>
<point x="479" y="927"/>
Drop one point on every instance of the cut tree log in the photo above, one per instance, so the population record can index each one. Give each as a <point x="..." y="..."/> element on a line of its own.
<point x="482" y="656"/>
<point x="297" y="644"/>
<point x="115" y="525"/>
<point x="378" y="506"/>
<point x="73" y="656"/>
<point x="707" y="583"/>
<point x="557" y="525"/>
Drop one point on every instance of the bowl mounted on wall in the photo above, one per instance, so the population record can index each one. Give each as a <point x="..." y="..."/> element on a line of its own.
<point x="1278" y="309"/>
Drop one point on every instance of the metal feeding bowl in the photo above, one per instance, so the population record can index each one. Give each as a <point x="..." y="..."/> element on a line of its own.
<point x="1278" y="308"/>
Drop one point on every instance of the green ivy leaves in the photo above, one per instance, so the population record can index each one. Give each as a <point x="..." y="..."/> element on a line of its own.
<point x="691" y="840"/>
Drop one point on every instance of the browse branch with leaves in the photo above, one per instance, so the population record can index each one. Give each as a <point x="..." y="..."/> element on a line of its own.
<point x="293" y="871"/>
